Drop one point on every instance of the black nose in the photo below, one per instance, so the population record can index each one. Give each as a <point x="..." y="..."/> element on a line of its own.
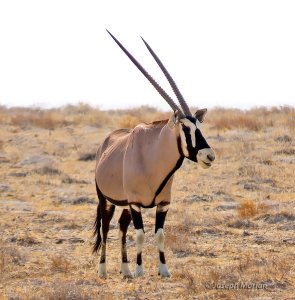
<point x="210" y="157"/>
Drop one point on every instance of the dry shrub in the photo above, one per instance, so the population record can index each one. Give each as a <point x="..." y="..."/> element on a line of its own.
<point x="25" y="239"/>
<point x="48" y="170"/>
<point x="38" y="118"/>
<point x="81" y="114"/>
<point x="190" y="279"/>
<point x="129" y="118"/>
<point x="128" y="121"/>
<point x="234" y="119"/>
<point x="254" y="119"/>
<point x="10" y="257"/>
<point x="60" y="264"/>
<point x="248" y="209"/>
<point x="84" y="114"/>
<point x="178" y="243"/>
<point x="63" y="291"/>
<point x="88" y="156"/>
<point x="95" y="118"/>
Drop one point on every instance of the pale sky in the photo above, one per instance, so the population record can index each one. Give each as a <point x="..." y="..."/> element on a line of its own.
<point x="220" y="53"/>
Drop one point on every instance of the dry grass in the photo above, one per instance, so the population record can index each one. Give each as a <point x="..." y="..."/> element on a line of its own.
<point x="248" y="209"/>
<point x="254" y="119"/>
<point x="222" y="119"/>
<point x="232" y="223"/>
<point x="60" y="264"/>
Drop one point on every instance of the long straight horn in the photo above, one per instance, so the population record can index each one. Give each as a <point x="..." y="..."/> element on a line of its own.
<point x="176" y="91"/>
<point x="149" y="77"/>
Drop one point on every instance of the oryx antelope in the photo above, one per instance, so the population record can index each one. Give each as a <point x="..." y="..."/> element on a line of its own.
<point x="135" y="168"/>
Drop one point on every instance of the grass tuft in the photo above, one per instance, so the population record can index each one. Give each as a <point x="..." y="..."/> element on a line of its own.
<point x="248" y="209"/>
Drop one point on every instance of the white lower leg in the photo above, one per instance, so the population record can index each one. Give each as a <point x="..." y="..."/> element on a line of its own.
<point x="160" y="238"/>
<point x="124" y="265"/>
<point x="102" y="270"/>
<point x="139" y="271"/>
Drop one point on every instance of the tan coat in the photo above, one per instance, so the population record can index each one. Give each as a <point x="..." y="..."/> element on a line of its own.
<point x="132" y="164"/>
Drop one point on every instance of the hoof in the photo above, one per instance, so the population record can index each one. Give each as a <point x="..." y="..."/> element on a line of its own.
<point x="138" y="271"/>
<point x="163" y="271"/>
<point x="102" y="270"/>
<point x="125" y="271"/>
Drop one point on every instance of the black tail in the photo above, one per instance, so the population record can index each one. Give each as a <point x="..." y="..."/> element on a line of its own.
<point x="97" y="223"/>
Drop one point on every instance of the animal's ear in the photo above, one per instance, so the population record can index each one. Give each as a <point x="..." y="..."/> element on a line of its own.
<point x="174" y="119"/>
<point x="200" y="114"/>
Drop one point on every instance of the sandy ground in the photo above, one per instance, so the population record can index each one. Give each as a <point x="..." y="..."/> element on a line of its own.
<point x="229" y="231"/>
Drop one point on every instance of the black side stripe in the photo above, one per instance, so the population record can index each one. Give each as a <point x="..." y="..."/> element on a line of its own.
<point x="177" y="166"/>
<point x="164" y="182"/>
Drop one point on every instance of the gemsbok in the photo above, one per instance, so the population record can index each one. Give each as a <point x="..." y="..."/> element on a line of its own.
<point x="135" y="169"/>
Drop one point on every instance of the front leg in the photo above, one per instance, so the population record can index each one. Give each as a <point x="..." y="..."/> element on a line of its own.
<point x="161" y="212"/>
<point x="138" y="224"/>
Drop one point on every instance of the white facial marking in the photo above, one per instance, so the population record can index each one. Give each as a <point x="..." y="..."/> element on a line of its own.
<point x="193" y="128"/>
<point x="183" y="144"/>
<point x="160" y="239"/>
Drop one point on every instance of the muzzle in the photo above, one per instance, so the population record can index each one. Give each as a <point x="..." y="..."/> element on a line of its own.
<point x="205" y="157"/>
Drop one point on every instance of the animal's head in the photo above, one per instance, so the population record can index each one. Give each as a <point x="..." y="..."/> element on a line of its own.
<point x="192" y="143"/>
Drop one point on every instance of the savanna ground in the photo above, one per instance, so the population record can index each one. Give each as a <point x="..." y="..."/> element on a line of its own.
<point x="229" y="231"/>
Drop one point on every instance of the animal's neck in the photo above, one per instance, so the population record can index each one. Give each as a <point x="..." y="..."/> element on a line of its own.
<point x="168" y="149"/>
<point x="168" y="142"/>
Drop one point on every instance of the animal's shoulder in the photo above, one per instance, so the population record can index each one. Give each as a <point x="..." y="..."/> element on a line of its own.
<point x="118" y="133"/>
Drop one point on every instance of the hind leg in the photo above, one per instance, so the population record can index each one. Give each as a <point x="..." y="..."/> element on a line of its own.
<point x="107" y="212"/>
<point x="124" y="222"/>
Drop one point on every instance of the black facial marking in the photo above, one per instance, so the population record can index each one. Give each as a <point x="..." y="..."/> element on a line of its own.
<point x="192" y="119"/>
<point x="200" y="140"/>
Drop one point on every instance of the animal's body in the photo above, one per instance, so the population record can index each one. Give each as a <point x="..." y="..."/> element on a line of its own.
<point x="135" y="168"/>
<point x="126" y="155"/>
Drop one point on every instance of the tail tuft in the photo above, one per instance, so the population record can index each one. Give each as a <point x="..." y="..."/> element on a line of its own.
<point x="97" y="225"/>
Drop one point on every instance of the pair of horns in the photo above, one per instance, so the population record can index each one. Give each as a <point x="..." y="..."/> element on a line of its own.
<point x="185" y="109"/>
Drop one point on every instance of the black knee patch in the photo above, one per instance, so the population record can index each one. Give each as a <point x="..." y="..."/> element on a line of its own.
<point x="160" y="220"/>
<point x="124" y="220"/>
<point x="139" y="259"/>
<point x="162" y="257"/>
<point x="137" y="218"/>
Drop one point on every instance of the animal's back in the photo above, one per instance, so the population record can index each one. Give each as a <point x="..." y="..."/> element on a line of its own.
<point x="109" y="164"/>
